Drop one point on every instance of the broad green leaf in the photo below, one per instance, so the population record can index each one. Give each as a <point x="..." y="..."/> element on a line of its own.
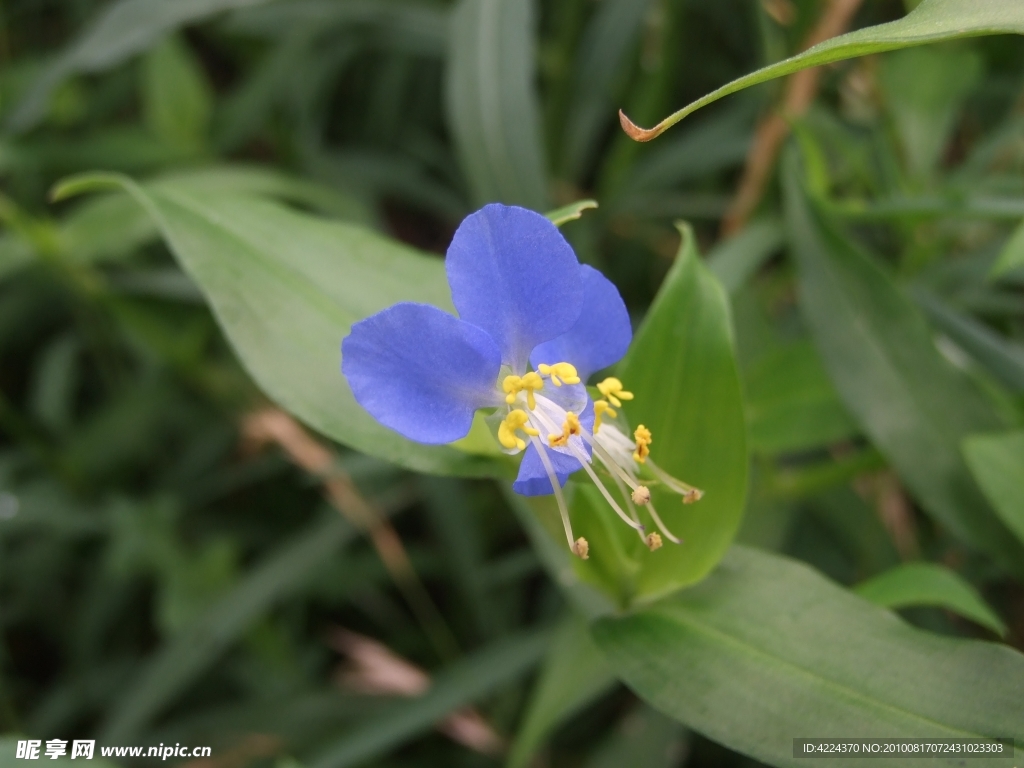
<point x="466" y="681"/>
<point x="286" y="287"/>
<point x="574" y="674"/>
<point x="492" y="106"/>
<point x="766" y="650"/>
<point x="178" y="663"/>
<point x="997" y="462"/>
<point x="570" y="212"/>
<point x="1012" y="255"/>
<point x="683" y="373"/>
<point x="177" y="101"/>
<point x="933" y="585"/>
<point x="913" y="405"/>
<point x="931" y="21"/>
<point x="123" y="29"/>
<point x="791" y="404"/>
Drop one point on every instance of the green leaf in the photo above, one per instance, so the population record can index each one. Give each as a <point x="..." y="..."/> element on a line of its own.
<point x="766" y="650"/>
<point x="463" y="683"/>
<point x="286" y="287"/>
<point x="997" y="462"/>
<point x="123" y="29"/>
<point x="1012" y="256"/>
<point x="178" y="663"/>
<point x="177" y="100"/>
<point x="570" y="212"/>
<point x="933" y="585"/>
<point x="574" y="674"/>
<point x="644" y="738"/>
<point x="913" y="405"/>
<point x="791" y="404"/>
<point x="931" y="21"/>
<point x="492" y="106"/>
<point x="683" y="373"/>
<point x="737" y="259"/>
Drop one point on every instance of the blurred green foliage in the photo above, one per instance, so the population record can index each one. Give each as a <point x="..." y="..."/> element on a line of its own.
<point x="165" y="579"/>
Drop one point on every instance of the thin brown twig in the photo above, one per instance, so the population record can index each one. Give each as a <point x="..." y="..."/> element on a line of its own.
<point x="273" y="425"/>
<point x="801" y="90"/>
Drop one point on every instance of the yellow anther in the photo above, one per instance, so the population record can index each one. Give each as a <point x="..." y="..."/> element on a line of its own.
<point x="692" y="496"/>
<point x="512" y="385"/>
<point x="516" y="420"/>
<point x="641" y="495"/>
<point x="559" y="373"/>
<point x="601" y="407"/>
<point x="569" y="428"/>
<point x="643" y="438"/>
<point x="581" y="548"/>
<point x="612" y="389"/>
<point x="653" y="541"/>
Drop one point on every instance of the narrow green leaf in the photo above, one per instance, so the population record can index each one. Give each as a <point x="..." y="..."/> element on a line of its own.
<point x="1012" y="255"/>
<point x="683" y="373"/>
<point x="286" y="287"/>
<point x="929" y="584"/>
<point x="570" y="212"/>
<point x="574" y="674"/>
<point x="492" y="106"/>
<point x="767" y="650"/>
<point x="931" y="21"/>
<point x="177" y="100"/>
<point x="997" y="462"/>
<point x="644" y="738"/>
<point x="463" y="683"/>
<point x="177" y="664"/>
<point x="737" y="259"/>
<point x="914" y="406"/>
<point x="122" y="29"/>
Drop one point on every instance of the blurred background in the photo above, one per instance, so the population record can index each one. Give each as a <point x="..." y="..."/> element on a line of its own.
<point x="174" y="567"/>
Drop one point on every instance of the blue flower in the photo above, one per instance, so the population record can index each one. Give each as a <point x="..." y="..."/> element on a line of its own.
<point x="533" y="325"/>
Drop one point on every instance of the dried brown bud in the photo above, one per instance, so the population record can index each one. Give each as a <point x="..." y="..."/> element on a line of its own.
<point x="692" y="496"/>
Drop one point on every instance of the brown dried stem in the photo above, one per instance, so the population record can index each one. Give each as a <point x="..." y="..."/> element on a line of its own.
<point x="801" y="90"/>
<point x="273" y="425"/>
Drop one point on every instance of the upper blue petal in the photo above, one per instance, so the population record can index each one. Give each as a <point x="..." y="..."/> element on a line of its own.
<point x="513" y="274"/>
<point x="532" y="479"/>
<point x="421" y="371"/>
<point x="600" y="336"/>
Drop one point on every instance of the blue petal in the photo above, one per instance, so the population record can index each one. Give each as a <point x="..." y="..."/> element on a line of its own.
<point x="532" y="479"/>
<point x="421" y="371"/>
<point x="513" y="274"/>
<point x="600" y="336"/>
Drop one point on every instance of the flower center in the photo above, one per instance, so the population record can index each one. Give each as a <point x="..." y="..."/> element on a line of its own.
<point x="517" y="420"/>
<point x="512" y="385"/>
<point x="570" y="428"/>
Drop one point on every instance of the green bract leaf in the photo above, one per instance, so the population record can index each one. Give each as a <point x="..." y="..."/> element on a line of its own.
<point x="931" y="21"/>
<point x="914" y="406"/>
<point x="683" y="373"/>
<point x="997" y="462"/>
<point x="766" y="650"/>
<point x="286" y="287"/>
<point x="492" y="106"/>
<point x="929" y="584"/>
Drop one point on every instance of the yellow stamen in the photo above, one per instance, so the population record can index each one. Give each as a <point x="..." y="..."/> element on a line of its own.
<point x="612" y="389"/>
<point x="512" y="385"/>
<point x="559" y="373"/>
<point x="601" y="407"/>
<point x="642" y="495"/>
<point x="581" y="548"/>
<point x="643" y="438"/>
<point x="516" y="420"/>
<point x="569" y="428"/>
<point x="653" y="541"/>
